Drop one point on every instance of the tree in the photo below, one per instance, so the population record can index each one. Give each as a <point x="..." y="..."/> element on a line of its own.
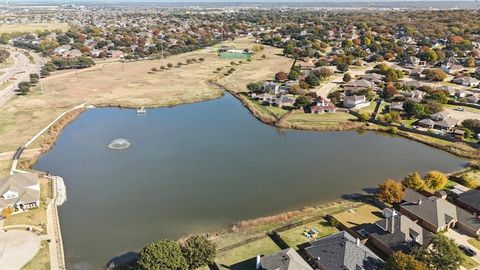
<point x="414" y="109"/>
<point x="303" y="101"/>
<point x="163" y="254"/>
<point x="312" y="80"/>
<point x="402" y="261"/>
<point x="347" y="77"/>
<point x="24" y="87"/>
<point x="389" y="91"/>
<point x="435" y="74"/>
<point x="169" y="65"/>
<point x="443" y="254"/>
<point x="255" y="87"/>
<point x="470" y="62"/>
<point x="281" y="76"/>
<point x="335" y="97"/>
<point x="293" y="75"/>
<point x="469" y="181"/>
<point x="413" y="181"/>
<point x="34" y="78"/>
<point x="342" y="67"/>
<point x="432" y="107"/>
<point x="198" y="251"/>
<point x="323" y="73"/>
<point x="390" y="191"/>
<point x="435" y="180"/>
<point x="439" y="96"/>
<point x="6" y="212"/>
<point x="472" y="124"/>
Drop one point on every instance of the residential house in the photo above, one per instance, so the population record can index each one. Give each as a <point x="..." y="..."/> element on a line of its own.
<point x="287" y="259"/>
<point x="415" y="95"/>
<point x="426" y="123"/>
<point x="466" y="81"/>
<point x="473" y="99"/>
<point x="323" y="105"/>
<point x="355" y="102"/>
<point x="115" y="53"/>
<point x="441" y="121"/>
<point x="414" y="84"/>
<point x="342" y="251"/>
<point x="20" y="191"/>
<point x="374" y="77"/>
<point x="62" y="49"/>
<point x="396" y="106"/>
<point x="397" y="233"/>
<point x="440" y="116"/>
<point x="74" y="53"/>
<point x="470" y="200"/>
<point x="452" y="66"/>
<point x="353" y="87"/>
<point x="284" y="101"/>
<point x="437" y="214"/>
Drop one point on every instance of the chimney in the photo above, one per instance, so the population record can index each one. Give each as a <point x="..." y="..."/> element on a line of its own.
<point x="394" y="213"/>
<point x="393" y="224"/>
<point x="258" y="262"/>
<point x="358" y="241"/>
<point x="419" y="201"/>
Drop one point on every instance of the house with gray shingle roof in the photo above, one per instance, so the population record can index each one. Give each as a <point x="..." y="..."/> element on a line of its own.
<point x="437" y="214"/>
<point x="287" y="259"/>
<point x="20" y="191"/>
<point x="397" y="233"/>
<point x="342" y="251"/>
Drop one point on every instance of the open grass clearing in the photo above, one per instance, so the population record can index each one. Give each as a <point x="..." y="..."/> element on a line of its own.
<point x="474" y="242"/>
<point x="295" y="236"/>
<point x="356" y="216"/>
<point x="7" y="63"/>
<point x="468" y="262"/>
<point x="274" y="111"/>
<point x="41" y="261"/>
<point x="320" y="120"/>
<point x="244" y="257"/>
<point x="32" y="27"/>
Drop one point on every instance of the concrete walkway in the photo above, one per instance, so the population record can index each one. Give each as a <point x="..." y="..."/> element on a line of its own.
<point x="17" y="248"/>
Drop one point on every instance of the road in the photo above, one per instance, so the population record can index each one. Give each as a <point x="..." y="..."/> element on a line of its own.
<point x="17" y="247"/>
<point x="462" y="239"/>
<point x="19" y="72"/>
<point x="337" y="79"/>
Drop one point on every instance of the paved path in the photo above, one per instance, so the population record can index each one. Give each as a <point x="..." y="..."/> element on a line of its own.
<point x="462" y="239"/>
<point x="17" y="248"/>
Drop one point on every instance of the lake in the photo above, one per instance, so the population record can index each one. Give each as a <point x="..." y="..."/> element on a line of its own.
<point x="200" y="167"/>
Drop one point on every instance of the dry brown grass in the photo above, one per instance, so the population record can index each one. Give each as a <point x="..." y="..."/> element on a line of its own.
<point x="121" y="84"/>
<point x="32" y="27"/>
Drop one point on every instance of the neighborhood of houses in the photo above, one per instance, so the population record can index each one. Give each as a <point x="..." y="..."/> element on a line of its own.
<point x="406" y="227"/>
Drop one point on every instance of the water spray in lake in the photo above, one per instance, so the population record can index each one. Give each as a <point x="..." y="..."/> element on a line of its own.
<point x="119" y="144"/>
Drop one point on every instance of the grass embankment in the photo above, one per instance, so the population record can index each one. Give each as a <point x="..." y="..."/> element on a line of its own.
<point x="34" y="217"/>
<point x="41" y="261"/>
<point x="5" y="64"/>
<point x="246" y="239"/>
<point x="32" y="27"/>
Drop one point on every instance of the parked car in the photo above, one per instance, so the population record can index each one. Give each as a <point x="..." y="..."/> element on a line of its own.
<point x="468" y="251"/>
<point x="460" y="109"/>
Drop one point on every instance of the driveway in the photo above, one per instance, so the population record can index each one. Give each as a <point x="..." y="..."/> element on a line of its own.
<point x="461" y="239"/>
<point x="463" y="115"/>
<point x="17" y="248"/>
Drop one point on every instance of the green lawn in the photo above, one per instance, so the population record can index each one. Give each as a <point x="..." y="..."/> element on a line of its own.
<point x="369" y="109"/>
<point x="474" y="242"/>
<point x="244" y="257"/>
<point x="468" y="262"/>
<point x="295" y="236"/>
<point x="320" y="120"/>
<point x="475" y="175"/>
<point x="274" y="111"/>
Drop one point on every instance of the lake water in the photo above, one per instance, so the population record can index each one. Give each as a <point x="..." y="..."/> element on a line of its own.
<point x="199" y="167"/>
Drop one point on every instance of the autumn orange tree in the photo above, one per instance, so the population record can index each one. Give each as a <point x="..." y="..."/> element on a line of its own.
<point x="390" y="191"/>
<point x="413" y="181"/>
<point x="402" y="261"/>
<point x="435" y="180"/>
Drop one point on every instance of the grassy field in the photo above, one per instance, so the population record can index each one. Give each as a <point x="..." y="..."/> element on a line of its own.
<point x="361" y="215"/>
<point x="5" y="64"/>
<point x="295" y="236"/>
<point x="128" y="84"/>
<point x="259" y="69"/>
<point x="41" y="261"/>
<point x="474" y="242"/>
<point x="35" y="217"/>
<point x="269" y="110"/>
<point x="243" y="258"/>
<point x="302" y="119"/>
<point x="468" y="262"/>
<point x="33" y="27"/>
